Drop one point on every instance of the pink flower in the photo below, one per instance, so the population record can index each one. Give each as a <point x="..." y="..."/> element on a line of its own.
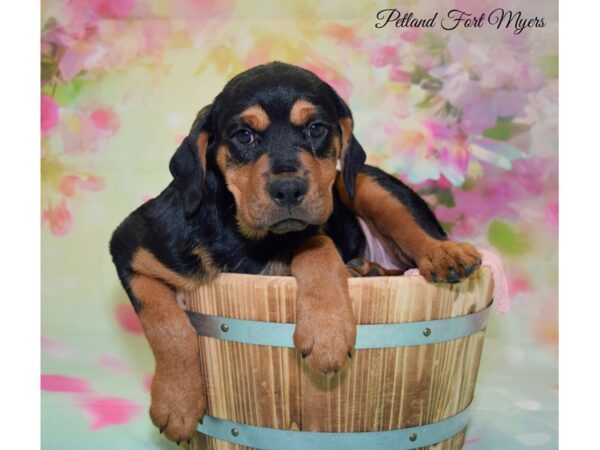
<point x="109" y="411"/>
<point x="89" y="11"/>
<point x="411" y="34"/>
<point x="49" y="110"/>
<point x="60" y="219"/>
<point x="384" y="55"/>
<point x="200" y="8"/>
<point x="94" y="183"/>
<point x="86" y="131"/>
<point x="112" y="9"/>
<point x="518" y="284"/>
<point x="128" y="319"/>
<point x="486" y="81"/>
<point x="63" y="383"/>
<point x="68" y="185"/>
<point x="399" y="75"/>
<point x="105" y="120"/>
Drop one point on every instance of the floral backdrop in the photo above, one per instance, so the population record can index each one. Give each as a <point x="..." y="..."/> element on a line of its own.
<point x="468" y="117"/>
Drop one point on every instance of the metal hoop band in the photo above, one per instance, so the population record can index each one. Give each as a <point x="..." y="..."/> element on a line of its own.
<point x="274" y="439"/>
<point x="387" y="335"/>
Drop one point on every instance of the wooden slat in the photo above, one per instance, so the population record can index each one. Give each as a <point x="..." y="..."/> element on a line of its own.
<point x="379" y="389"/>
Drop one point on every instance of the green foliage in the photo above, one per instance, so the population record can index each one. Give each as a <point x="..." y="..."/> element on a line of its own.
<point x="549" y="65"/>
<point x="506" y="239"/>
<point x="49" y="68"/>
<point x="65" y="94"/>
<point x="418" y="74"/>
<point x="502" y="130"/>
<point x="445" y="197"/>
<point x="505" y="129"/>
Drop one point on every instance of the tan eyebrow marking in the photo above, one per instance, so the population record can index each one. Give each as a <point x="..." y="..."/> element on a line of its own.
<point x="256" y="117"/>
<point x="301" y="112"/>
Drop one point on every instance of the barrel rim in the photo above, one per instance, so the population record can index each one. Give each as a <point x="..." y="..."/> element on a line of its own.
<point x="227" y="277"/>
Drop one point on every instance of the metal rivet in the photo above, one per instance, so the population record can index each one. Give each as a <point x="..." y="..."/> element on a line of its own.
<point x="224" y="327"/>
<point x="426" y="331"/>
<point x="235" y="432"/>
<point x="413" y="437"/>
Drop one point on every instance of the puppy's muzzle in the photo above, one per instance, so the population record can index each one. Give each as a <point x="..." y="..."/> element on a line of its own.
<point x="288" y="192"/>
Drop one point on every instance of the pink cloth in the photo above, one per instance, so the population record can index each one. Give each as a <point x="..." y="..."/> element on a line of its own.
<point x="376" y="252"/>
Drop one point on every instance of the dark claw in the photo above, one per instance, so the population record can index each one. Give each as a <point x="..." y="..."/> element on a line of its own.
<point x="350" y="355"/>
<point x="304" y="354"/>
<point x="356" y="263"/>
<point x="177" y="442"/>
<point x="434" y="277"/>
<point x="374" y="272"/>
<point x="189" y="441"/>
<point x="160" y="430"/>
<point x="453" y="276"/>
<point x="335" y="371"/>
<point x="468" y="269"/>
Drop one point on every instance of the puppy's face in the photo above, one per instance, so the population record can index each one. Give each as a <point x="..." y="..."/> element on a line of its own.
<point x="276" y="133"/>
<point x="279" y="162"/>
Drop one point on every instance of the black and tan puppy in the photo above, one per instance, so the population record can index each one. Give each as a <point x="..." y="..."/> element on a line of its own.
<point x="255" y="190"/>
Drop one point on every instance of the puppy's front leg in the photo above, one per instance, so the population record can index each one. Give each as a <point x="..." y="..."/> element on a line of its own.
<point x="178" y="399"/>
<point x="409" y="227"/>
<point x="325" y="326"/>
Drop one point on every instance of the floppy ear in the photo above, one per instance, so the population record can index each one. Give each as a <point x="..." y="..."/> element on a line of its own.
<point x="353" y="156"/>
<point x="188" y="164"/>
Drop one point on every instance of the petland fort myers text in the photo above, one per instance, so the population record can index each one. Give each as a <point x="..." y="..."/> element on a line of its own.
<point x="456" y="18"/>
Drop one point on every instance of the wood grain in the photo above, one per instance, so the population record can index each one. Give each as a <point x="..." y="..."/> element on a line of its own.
<point x="379" y="389"/>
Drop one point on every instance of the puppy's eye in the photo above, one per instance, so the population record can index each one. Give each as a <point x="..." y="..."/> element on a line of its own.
<point x="317" y="130"/>
<point x="245" y="136"/>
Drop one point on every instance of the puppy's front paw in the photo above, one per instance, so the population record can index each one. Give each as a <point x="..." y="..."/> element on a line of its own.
<point x="178" y="403"/>
<point x="360" y="267"/>
<point x="449" y="262"/>
<point x="325" y="336"/>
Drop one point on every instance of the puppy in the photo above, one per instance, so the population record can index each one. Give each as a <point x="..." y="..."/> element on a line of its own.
<point x="255" y="190"/>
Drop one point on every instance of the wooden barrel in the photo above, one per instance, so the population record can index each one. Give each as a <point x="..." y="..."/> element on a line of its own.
<point x="409" y="384"/>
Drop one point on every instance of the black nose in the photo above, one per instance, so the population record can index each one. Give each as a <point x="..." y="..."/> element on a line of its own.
<point x="288" y="191"/>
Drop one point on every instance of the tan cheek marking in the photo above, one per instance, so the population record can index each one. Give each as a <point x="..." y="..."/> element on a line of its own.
<point x="246" y="183"/>
<point x="301" y="112"/>
<point x="232" y="175"/>
<point x="222" y="159"/>
<point x="256" y="184"/>
<point x="321" y="179"/>
<point x="322" y="170"/>
<point x="256" y="118"/>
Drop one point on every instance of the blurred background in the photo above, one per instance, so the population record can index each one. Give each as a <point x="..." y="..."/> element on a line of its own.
<point x="468" y="117"/>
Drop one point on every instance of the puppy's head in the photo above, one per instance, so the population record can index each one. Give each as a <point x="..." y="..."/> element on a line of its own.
<point x="275" y="133"/>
